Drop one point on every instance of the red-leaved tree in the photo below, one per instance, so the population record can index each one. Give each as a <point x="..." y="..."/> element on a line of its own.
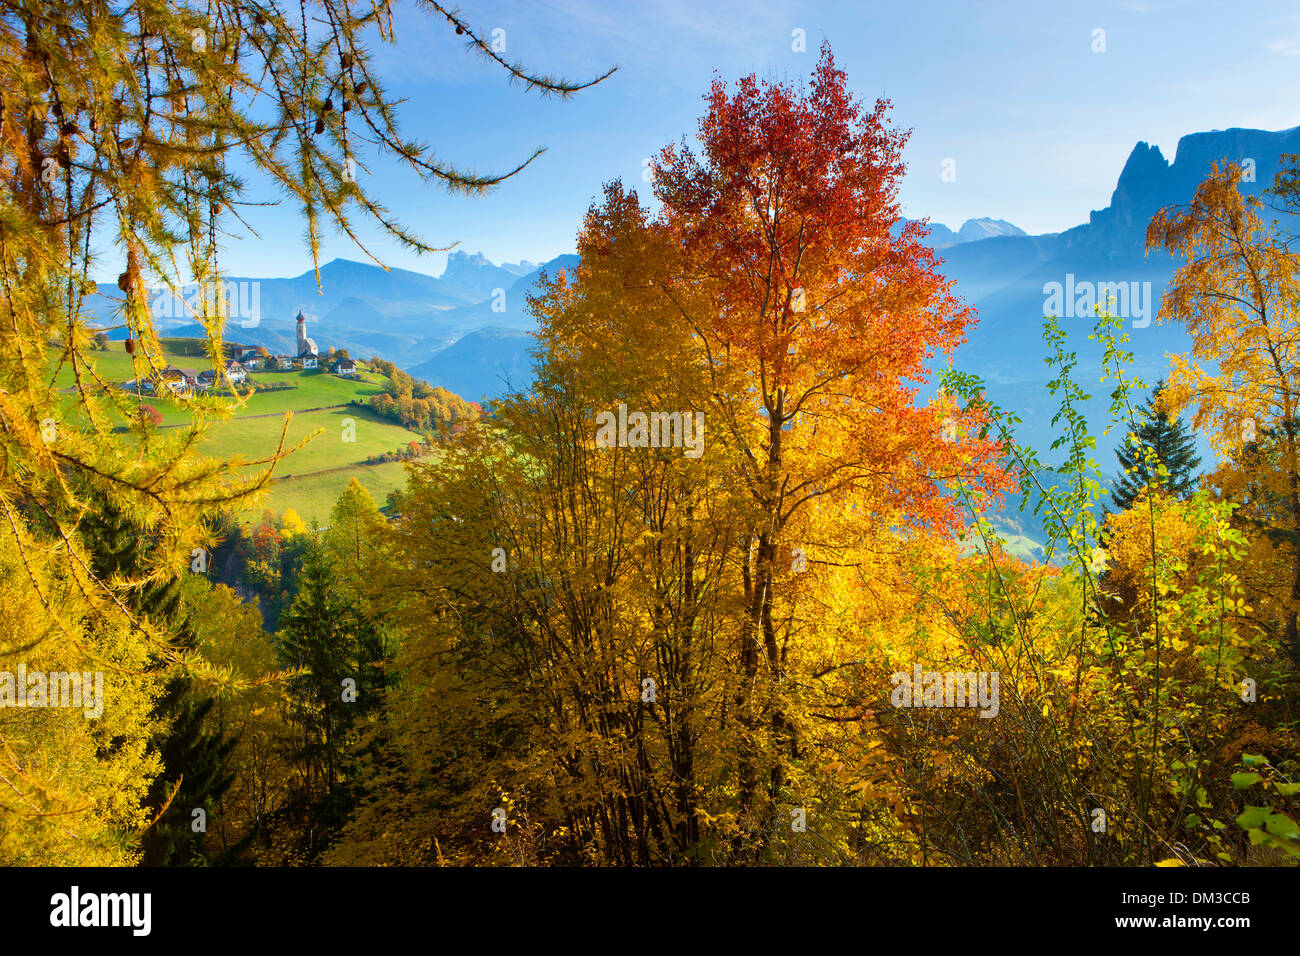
<point x="823" y="312"/>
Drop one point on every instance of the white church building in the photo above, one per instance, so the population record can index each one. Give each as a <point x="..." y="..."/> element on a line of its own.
<point x="306" y="347"/>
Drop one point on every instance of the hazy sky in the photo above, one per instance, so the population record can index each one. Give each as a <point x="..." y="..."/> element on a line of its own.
<point x="1039" y="125"/>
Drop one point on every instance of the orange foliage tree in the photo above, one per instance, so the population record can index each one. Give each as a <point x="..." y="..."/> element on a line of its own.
<point x="783" y="295"/>
<point x="805" y="288"/>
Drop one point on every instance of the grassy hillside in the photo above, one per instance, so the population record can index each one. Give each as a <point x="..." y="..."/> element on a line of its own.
<point x="253" y="437"/>
<point x="116" y="366"/>
<point x="309" y="480"/>
<point x="313" y="496"/>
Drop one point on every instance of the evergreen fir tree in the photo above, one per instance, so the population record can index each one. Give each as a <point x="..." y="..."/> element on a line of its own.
<point x="1174" y="447"/>
<point x="197" y="758"/>
<point x="327" y="633"/>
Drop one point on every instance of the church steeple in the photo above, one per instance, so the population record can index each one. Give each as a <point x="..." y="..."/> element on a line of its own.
<point x="305" y="345"/>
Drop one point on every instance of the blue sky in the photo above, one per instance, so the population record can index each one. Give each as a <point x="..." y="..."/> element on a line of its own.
<point x="1039" y="125"/>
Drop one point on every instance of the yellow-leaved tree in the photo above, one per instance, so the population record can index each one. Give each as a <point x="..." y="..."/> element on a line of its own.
<point x="1238" y="294"/>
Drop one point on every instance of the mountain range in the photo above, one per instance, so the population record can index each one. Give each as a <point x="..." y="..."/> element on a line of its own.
<point x="1004" y="274"/>
<point x="469" y="329"/>
<point x="404" y="316"/>
<point x="1006" y="277"/>
<point x="972" y="230"/>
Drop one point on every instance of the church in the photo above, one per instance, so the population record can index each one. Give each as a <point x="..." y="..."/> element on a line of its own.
<point x="306" y="347"/>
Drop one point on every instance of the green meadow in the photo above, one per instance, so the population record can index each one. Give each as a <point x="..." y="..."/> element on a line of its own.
<point x="313" y="496"/>
<point x="338" y="436"/>
<point x="334" y="438"/>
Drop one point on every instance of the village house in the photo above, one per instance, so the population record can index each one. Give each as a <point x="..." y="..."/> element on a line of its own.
<point x="283" y="362"/>
<point x="234" y="372"/>
<point x="345" y="367"/>
<point x="179" y="380"/>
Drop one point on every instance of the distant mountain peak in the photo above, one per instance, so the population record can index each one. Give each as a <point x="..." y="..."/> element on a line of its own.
<point x="1149" y="182"/>
<point x="477" y="275"/>
<point x="1145" y="167"/>
<point x="461" y="260"/>
<point x="973" y="230"/>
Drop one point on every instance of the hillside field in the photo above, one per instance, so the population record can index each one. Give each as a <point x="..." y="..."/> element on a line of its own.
<point x="313" y="496"/>
<point x="310" y="479"/>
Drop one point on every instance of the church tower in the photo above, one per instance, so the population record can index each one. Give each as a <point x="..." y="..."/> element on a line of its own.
<point x="306" y="346"/>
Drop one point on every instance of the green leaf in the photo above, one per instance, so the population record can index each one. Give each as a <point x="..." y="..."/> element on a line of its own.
<point x="1252" y="817"/>
<point x="1280" y="825"/>
<point x="1191" y="820"/>
<point x="1245" y="780"/>
<point x="1288" y="789"/>
<point x="1252" y="761"/>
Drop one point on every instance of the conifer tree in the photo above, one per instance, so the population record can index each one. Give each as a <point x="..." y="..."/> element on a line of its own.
<point x="1174" y="447"/>
<point x="340" y="652"/>
<point x="194" y="762"/>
